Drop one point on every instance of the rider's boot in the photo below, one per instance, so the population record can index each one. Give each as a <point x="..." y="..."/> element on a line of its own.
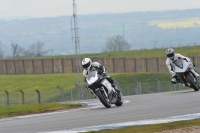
<point x="183" y="85"/>
<point x="173" y="80"/>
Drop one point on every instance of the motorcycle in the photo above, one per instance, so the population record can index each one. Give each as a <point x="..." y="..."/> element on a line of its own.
<point x="101" y="88"/>
<point x="185" y="75"/>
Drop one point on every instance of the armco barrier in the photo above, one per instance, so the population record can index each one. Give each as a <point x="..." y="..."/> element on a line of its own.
<point x="65" y="65"/>
<point x="60" y="95"/>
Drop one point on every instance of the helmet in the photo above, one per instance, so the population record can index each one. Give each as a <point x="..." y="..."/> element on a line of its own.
<point x="86" y="63"/>
<point x="170" y="53"/>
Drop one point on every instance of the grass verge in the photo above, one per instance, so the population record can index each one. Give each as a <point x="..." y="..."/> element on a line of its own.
<point x="153" y="128"/>
<point x="142" y="53"/>
<point x="16" y="110"/>
<point x="48" y="82"/>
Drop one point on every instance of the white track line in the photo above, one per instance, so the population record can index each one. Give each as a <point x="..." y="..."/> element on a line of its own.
<point x="133" y="123"/>
<point x="93" y="104"/>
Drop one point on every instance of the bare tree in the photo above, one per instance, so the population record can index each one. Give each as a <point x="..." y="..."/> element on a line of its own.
<point x="1" y="52"/>
<point x="35" y="50"/>
<point x="17" y="51"/>
<point x="116" y="43"/>
<point x="14" y="49"/>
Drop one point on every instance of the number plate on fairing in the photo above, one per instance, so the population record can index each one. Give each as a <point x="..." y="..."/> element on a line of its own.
<point x="107" y="85"/>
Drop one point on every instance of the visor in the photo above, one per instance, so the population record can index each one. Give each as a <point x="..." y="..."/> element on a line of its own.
<point x="170" y="55"/>
<point x="86" y="65"/>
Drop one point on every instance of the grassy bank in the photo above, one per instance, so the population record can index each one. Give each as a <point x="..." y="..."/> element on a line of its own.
<point x="48" y="82"/>
<point x="15" y="110"/>
<point x="143" y="53"/>
<point x="153" y="128"/>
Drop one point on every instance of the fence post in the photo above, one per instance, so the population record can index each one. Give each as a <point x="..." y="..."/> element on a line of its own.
<point x="71" y="95"/>
<point x="62" y="93"/>
<point x="179" y="85"/>
<point x="158" y="82"/>
<point x="7" y="94"/>
<point x="38" y="96"/>
<point x="23" y="102"/>
<point x="138" y="85"/>
<point x="80" y="97"/>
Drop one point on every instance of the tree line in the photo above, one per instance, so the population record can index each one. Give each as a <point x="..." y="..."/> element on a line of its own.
<point x="34" y="50"/>
<point x="112" y="44"/>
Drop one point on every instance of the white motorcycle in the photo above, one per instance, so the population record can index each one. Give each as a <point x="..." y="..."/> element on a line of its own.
<point x="185" y="75"/>
<point x="102" y="89"/>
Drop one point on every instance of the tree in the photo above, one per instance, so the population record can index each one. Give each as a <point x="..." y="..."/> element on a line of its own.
<point x="116" y="43"/>
<point x="35" y="50"/>
<point x="17" y="51"/>
<point x="14" y="49"/>
<point x="1" y="52"/>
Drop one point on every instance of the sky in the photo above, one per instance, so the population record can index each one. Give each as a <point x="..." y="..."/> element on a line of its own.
<point x="53" y="8"/>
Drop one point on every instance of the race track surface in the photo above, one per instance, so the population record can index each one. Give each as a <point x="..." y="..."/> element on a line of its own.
<point x="139" y="107"/>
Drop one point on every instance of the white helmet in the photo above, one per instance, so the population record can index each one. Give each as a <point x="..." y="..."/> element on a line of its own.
<point x="170" y="53"/>
<point x="86" y="63"/>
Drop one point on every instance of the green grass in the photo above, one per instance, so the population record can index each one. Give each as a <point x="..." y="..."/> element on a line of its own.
<point x="144" y="53"/>
<point x="153" y="128"/>
<point x="41" y="82"/>
<point x="48" y="82"/>
<point x="15" y="110"/>
<point x="47" y="85"/>
<point x="127" y="78"/>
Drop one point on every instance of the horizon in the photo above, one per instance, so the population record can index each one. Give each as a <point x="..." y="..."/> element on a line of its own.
<point x="29" y="17"/>
<point x="52" y="8"/>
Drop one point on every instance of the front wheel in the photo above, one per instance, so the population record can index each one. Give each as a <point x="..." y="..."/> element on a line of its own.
<point x="192" y="83"/>
<point x="103" y="98"/>
<point x="119" y="101"/>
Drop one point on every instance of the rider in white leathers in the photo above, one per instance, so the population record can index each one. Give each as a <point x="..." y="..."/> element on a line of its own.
<point x="171" y="56"/>
<point x="88" y="65"/>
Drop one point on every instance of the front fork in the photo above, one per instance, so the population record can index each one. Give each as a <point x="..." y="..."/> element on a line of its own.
<point x="183" y="77"/>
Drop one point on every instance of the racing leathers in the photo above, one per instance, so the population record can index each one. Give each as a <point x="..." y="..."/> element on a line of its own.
<point x="101" y="70"/>
<point x="171" y="66"/>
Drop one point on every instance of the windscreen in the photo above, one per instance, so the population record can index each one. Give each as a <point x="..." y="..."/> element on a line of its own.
<point x="179" y="63"/>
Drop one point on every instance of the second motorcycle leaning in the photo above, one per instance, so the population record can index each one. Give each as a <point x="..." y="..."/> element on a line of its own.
<point x="183" y="70"/>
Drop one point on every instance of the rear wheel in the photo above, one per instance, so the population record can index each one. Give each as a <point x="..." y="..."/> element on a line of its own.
<point x="103" y="98"/>
<point x="193" y="85"/>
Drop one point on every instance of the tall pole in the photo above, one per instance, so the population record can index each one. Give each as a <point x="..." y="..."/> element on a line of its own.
<point x="155" y="43"/>
<point x="75" y="40"/>
<point x="123" y="31"/>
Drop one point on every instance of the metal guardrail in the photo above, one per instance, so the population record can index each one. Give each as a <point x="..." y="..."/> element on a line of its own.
<point x="60" y="95"/>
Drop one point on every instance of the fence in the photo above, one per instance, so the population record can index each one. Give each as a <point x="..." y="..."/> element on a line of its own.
<point x="59" y="95"/>
<point x="60" y="65"/>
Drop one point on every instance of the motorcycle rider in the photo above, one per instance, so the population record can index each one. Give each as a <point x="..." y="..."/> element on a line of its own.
<point x="88" y="65"/>
<point x="172" y="56"/>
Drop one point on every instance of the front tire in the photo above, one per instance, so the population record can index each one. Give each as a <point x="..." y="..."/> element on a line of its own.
<point x="192" y="83"/>
<point x="119" y="100"/>
<point x="102" y="97"/>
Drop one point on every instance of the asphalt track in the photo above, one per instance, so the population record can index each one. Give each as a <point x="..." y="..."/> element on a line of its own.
<point x="138" y="107"/>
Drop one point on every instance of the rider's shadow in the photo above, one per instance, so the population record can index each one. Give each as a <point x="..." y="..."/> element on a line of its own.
<point x="102" y="107"/>
<point x="181" y="92"/>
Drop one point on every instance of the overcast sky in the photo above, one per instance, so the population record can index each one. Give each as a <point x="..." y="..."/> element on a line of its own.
<point x="51" y="8"/>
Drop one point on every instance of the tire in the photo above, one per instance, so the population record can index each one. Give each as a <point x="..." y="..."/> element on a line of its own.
<point x="102" y="97"/>
<point x="192" y="84"/>
<point x="119" y="100"/>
